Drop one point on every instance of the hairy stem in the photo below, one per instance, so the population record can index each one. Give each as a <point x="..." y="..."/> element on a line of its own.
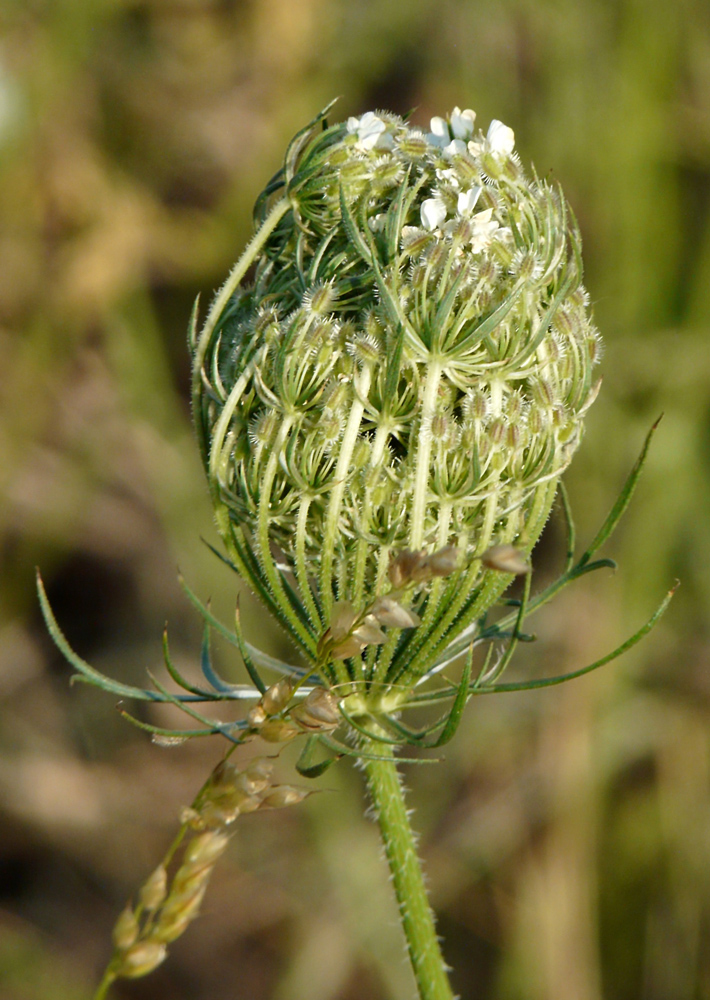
<point x="387" y="797"/>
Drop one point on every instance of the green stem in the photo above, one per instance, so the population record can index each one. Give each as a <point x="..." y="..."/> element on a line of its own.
<point x="390" y="810"/>
<point x="102" y="989"/>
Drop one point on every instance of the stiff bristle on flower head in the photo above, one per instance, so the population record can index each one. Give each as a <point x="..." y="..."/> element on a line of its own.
<point x="405" y="371"/>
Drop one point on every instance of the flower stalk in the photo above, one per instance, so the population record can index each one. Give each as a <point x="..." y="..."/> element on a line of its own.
<point x="387" y="796"/>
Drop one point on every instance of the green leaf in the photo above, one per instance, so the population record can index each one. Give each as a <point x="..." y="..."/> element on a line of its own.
<point x="550" y="681"/>
<point x="85" y="671"/>
<point x="623" y="500"/>
<point x="512" y="644"/>
<point x="300" y="140"/>
<point x="571" y="531"/>
<point x="162" y="731"/>
<point x="206" y="664"/>
<point x="353" y="233"/>
<point x="344" y="750"/>
<point x="305" y="765"/>
<point x="244" y="650"/>
<point x="263" y="659"/>
<point x="218" y="727"/>
<point x="456" y="714"/>
<point x="175" y="674"/>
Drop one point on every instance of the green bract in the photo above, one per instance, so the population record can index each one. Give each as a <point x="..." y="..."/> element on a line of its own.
<point x="405" y="371"/>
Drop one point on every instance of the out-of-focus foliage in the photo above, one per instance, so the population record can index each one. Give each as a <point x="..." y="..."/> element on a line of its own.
<point x="566" y="836"/>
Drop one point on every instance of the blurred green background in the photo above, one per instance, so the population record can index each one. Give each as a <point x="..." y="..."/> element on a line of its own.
<point x="567" y="836"/>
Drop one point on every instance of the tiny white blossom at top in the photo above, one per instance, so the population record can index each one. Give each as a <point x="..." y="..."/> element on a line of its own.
<point x="500" y="139"/>
<point x="433" y="213"/>
<point x="371" y="131"/>
<point x="439" y="135"/>
<point x="462" y="123"/>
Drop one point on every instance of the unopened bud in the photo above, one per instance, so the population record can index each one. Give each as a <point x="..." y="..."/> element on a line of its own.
<point x="190" y="817"/>
<point x="142" y="958"/>
<point x="342" y="618"/>
<point x="172" y="927"/>
<point x="179" y="911"/>
<point x="278" y="731"/>
<point x="387" y="611"/>
<point x="260" y="767"/>
<point x="154" y="889"/>
<point x="125" y="930"/>
<point x="370" y="633"/>
<point x="277" y="697"/>
<point x="285" y="795"/>
<point x="318" y="712"/>
<point x="251" y="784"/>
<point x="349" y="647"/>
<point x="443" y="562"/>
<point x="404" y="567"/>
<point x="205" y="849"/>
<point x="256" y="716"/>
<point x="505" y="558"/>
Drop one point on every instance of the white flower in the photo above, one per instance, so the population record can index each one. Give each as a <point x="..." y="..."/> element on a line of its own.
<point x="439" y="135"/>
<point x="467" y="200"/>
<point x="455" y="148"/>
<point x="433" y="213"/>
<point x="483" y="228"/>
<point x="371" y="131"/>
<point x="377" y="222"/>
<point x="448" y="176"/>
<point x="462" y="123"/>
<point x="500" y="139"/>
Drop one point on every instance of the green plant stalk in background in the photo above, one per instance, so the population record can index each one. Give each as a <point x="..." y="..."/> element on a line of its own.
<point x="384" y="412"/>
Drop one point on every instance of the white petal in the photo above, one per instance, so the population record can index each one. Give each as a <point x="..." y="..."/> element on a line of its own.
<point x="385" y="140"/>
<point x="353" y="124"/>
<point x="368" y="119"/>
<point x="448" y="176"/>
<point x="462" y="123"/>
<point x="467" y="200"/>
<point x="370" y="130"/>
<point x="455" y="148"/>
<point x="500" y="138"/>
<point x="433" y="213"/>
<point x="440" y="128"/>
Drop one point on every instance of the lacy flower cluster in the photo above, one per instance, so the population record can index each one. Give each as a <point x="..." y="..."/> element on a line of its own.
<point x="406" y="370"/>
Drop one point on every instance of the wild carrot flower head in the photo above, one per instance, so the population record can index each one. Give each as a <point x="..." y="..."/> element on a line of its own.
<point x="406" y="371"/>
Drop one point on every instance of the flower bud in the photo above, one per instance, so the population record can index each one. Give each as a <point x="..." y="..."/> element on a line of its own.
<point x="154" y="889"/>
<point x="505" y="559"/>
<point x="126" y="929"/>
<point x="318" y="712"/>
<point x="277" y="697"/>
<point x="141" y="959"/>
<point x="205" y="849"/>
<point x="387" y="611"/>
<point x="278" y="731"/>
<point x="284" y="795"/>
<point x="437" y="366"/>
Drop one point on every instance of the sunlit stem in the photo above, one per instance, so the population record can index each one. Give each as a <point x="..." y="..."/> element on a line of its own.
<point x="301" y="567"/>
<point x="345" y="455"/>
<point x="421" y="481"/>
<point x="417" y="919"/>
<point x="267" y="560"/>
